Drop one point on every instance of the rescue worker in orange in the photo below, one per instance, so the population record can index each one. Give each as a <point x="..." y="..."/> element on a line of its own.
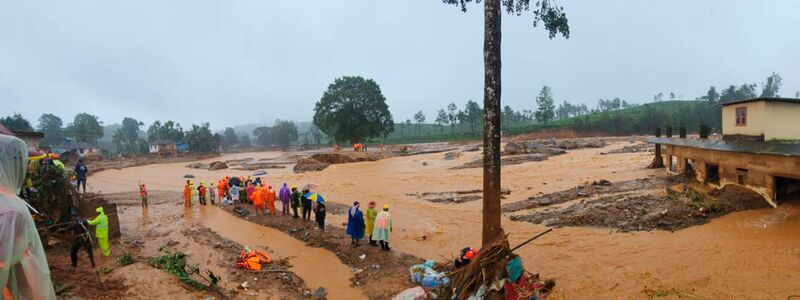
<point x="259" y="199"/>
<point x="187" y="194"/>
<point x="143" y="194"/>
<point x="271" y="199"/>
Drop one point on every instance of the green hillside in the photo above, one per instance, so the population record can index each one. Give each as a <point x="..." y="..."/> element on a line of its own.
<point x="639" y="119"/>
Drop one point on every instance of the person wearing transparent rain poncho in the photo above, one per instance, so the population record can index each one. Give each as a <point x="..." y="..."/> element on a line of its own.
<point x="24" y="273"/>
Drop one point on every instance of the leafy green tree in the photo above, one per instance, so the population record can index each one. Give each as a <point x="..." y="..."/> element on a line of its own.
<point x="284" y="133"/>
<point x="441" y="120"/>
<point x="244" y="141"/>
<point x="316" y="134"/>
<point x="555" y="21"/>
<point x="53" y="129"/>
<point x="200" y="138"/>
<point x="353" y="108"/>
<point x="263" y="136"/>
<point x="229" y="138"/>
<point x="545" y="111"/>
<point x="474" y="114"/>
<point x="772" y="86"/>
<point x="452" y="116"/>
<point x="16" y="122"/>
<point x="732" y="93"/>
<point x="85" y="128"/>
<point x="712" y="95"/>
<point x="126" y="138"/>
<point x="419" y="117"/>
<point x="169" y="131"/>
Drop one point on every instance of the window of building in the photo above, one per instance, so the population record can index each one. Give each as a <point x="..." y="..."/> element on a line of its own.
<point x="741" y="116"/>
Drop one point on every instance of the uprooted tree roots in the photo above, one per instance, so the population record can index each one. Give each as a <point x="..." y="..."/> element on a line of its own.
<point x="486" y="270"/>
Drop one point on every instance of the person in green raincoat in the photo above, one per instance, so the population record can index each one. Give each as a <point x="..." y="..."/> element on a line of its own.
<point x="383" y="227"/>
<point x="101" y="231"/>
<point x="369" y="220"/>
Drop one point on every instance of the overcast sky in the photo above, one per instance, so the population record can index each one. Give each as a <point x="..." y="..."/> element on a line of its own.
<point x="236" y="62"/>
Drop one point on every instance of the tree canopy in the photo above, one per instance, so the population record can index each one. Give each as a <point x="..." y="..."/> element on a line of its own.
<point x="169" y="131"/>
<point x="284" y="133"/>
<point x="16" y="122"/>
<point x="352" y="109"/>
<point x="200" y="138"/>
<point x="545" y="111"/>
<point x="126" y="138"/>
<point x="85" y="128"/>
<point x="53" y="129"/>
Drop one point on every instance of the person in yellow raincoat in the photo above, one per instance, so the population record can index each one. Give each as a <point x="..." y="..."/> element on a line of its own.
<point x="100" y="224"/>
<point x="192" y="191"/>
<point x="369" y="220"/>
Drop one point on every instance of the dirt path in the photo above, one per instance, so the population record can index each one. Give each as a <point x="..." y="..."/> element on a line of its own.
<point x="751" y="254"/>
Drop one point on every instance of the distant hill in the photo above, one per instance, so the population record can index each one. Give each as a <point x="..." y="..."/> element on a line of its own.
<point x="639" y="119"/>
<point x="248" y="128"/>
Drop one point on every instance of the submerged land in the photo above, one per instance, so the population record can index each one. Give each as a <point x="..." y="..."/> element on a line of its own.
<point x="622" y="230"/>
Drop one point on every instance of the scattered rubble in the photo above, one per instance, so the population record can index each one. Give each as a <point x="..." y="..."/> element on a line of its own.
<point x="667" y="210"/>
<point x="637" y="148"/>
<point x="454" y="196"/>
<point x="508" y="160"/>
<point x="587" y="190"/>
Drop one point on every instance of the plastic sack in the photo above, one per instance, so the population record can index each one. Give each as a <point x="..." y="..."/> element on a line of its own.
<point x="415" y="293"/>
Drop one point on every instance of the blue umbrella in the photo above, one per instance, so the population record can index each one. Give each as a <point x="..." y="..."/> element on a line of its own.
<point x="315" y="197"/>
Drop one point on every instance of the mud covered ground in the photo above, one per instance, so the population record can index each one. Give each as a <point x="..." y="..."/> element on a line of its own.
<point x="143" y="235"/>
<point x="380" y="274"/>
<point x="636" y="206"/>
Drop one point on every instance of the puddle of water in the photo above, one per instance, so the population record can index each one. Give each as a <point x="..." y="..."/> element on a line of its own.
<point x="317" y="266"/>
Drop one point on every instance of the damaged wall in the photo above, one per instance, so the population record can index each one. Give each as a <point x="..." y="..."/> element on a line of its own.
<point x="753" y="171"/>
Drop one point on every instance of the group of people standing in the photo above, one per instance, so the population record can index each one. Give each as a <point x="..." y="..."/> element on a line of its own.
<point x="378" y="225"/>
<point x="256" y="192"/>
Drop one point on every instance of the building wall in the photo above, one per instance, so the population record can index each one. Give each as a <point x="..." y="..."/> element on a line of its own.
<point x="782" y="121"/>
<point x="760" y="169"/>
<point x="755" y="119"/>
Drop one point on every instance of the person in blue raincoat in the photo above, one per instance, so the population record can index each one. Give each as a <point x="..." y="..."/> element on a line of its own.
<point x="355" y="223"/>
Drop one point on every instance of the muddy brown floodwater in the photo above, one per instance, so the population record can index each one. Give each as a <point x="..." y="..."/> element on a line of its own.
<point x="317" y="266"/>
<point x="751" y="255"/>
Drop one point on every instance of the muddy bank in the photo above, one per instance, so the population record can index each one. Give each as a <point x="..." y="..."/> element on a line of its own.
<point x="586" y="190"/>
<point x="522" y="151"/>
<point x="320" y="161"/>
<point x="167" y="224"/>
<point x="455" y="197"/>
<point x="666" y="209"/>
<point x="380" y="275"/>
<point x="127" y="162"/>
<point x="636" y="148"/>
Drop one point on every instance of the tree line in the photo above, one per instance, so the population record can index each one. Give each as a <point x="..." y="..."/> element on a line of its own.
<point x="130" y="139"/>
<point x="636" y="118"/>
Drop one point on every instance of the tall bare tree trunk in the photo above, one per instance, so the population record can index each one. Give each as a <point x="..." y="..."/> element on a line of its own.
<point x="491" y="122"/>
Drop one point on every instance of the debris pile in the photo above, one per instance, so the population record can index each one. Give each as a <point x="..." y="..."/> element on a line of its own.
<point x="454" y="197"/>
<point x="217" y="165"/>
<point x="320" y="161"/>
<point x="637" y="148"/>
<point x="667" y="210"/>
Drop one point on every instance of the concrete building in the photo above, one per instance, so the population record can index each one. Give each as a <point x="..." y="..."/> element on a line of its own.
<point x="31" y="138"/>
<point x="760" y="119"/>
<point x="760" y="149"/>
<point x="163" y="148"/>
<point x="81" y="148"/>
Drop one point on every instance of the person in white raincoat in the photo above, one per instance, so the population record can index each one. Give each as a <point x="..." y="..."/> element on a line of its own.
<point x="24" y="273"/>
<point x="383" y="227"/>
